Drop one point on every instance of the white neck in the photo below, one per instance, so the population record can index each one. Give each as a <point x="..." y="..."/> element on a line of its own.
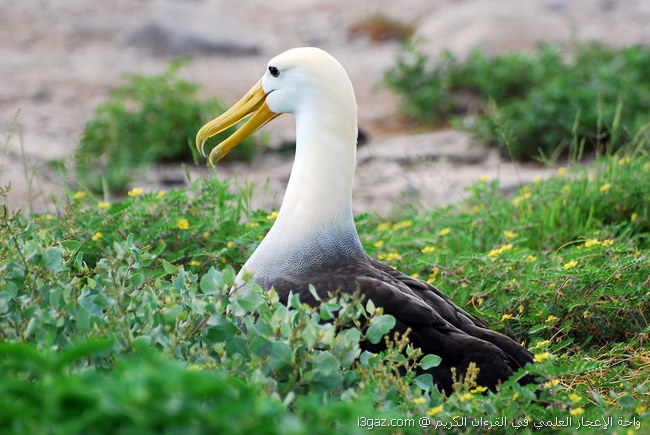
<point x="316" y="213"/>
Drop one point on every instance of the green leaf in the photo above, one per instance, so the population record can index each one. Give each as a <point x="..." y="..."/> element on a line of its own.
<point x="71" y="245"/>
<point x="424" y="381"/>
<point x="430" y="361"/>
<point x="52" y="260"/>
<point x="379" y="326"/>
<point x="249" y="300"/>
<point x="169" y="268"/>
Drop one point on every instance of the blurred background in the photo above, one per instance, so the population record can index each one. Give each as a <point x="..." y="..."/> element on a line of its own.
<point x="106" y="96"/>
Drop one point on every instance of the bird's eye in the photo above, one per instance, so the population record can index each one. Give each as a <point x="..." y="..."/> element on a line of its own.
<point x="274" y="71"/>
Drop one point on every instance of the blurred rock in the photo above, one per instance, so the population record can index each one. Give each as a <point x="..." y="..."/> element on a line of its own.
<point x="190" y="29"/>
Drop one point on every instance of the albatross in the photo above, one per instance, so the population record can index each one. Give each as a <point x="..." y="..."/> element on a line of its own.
<point x="314" y="241"/>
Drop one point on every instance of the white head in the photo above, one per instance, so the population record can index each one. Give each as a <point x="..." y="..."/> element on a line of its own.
<point x="306" y="82"/>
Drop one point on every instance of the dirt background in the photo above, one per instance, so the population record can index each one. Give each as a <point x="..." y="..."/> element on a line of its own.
<point x="60" y="58"/>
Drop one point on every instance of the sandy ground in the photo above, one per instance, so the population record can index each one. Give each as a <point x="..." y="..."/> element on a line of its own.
<point x="61" y="58"/>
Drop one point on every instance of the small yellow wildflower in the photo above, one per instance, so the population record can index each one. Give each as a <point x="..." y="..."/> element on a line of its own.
<point x="541" y="344"/>
<point x="97" y="236"/>
<point x="585" y="314"/>
<point x="520" y="309"/>
<point x="183" y="224"/>
<point x="608" y="242"/>
<point x="160" y="194"/>
<point x="591" y="242"/>
<point x="633" y="217"/>
<point x="476" y="209"/>
<point x="506" y="317"/>
<point x="571" y="264"/>
<point x="551" y="318"/>
<point x="161" y="241"/>
<point x="428" y="249"/>
<point x="605" y="187"/>
<point x="273" y="216"/>
<point x="575" y="397"/>
<point x="415" y="275"/>
<point x="576" y="411"/>
<point x="466" y="396"/>
<point x="230" y="244"/>
<point x="640" y="409"/>
<point x="480" y="301"/>
<point x="194" y="263"/>
<point x="562" y="171"/>
<point x="206" y="235"/>
<point x="444" y="231"/>
<point x="103" y="204"/>
<point x="624" y="160"/>
<point x="537" y="180"/>
<point x="419" y="400"/>
<point x="383" y="226"/>
<point x="552" y="383"/>
<point x="485" y="178"/>
<point x="402" y="224"/>
<point x="393" y="256"/>
<point x="542" y="356"/>
<point x="531" y="258"/>
<point x="479" y="389"/>
<point x="252" y="224"/>
<point x="515" y="396"/>
<point x="79" y="195"/>
<point x="49" y="217"/>
<point x="379" y="244"/>
<point x="435" y="410"/>
<point x="136" y="191"/>
<point x="518" y="200"/>
<point x="509" y="234"/>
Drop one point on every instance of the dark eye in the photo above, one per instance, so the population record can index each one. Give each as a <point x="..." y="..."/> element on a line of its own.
<point x="274" y="71"/>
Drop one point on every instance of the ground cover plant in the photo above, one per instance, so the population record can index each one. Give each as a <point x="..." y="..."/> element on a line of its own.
<point x="146" y="120"/>
<point x="118" y="316"/>
<point x="540" y="101"/>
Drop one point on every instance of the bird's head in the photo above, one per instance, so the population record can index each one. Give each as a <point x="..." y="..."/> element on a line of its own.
<point x="297" y="81"/>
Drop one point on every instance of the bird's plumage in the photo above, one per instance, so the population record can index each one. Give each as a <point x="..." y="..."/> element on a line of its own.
<point x="314" y="240"/>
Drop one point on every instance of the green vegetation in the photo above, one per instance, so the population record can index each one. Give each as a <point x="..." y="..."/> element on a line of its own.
<point x="149" y="119"/>
<point x="117" y="318"/>
<point x="532" y="103"/>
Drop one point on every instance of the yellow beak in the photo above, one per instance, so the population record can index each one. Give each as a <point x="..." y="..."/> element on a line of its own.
<point x="252" y="102"/>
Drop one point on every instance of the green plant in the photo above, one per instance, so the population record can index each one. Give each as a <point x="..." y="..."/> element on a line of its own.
<point x="148" y="119"/>
<point x="596" y="98"/>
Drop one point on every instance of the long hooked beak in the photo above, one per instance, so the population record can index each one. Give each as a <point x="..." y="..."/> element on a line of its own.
<point x="253" y="102"/>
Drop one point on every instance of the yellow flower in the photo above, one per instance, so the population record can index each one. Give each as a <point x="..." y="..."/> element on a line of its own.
<point x="183" y="224"/>
<point x="273" y="216"/>
<point x="585" y="314"/>
<point x="444" y="231"/>
<point x="252" y="224"/>
<point x="521" y="309"/>
<point x="640" y="409"/>
<point x="605" y="187"/>
<point x="194" y="263"/>
<point x="415" y="275"/>
<point x="419" y="400"/>
<point x="531" y="258"/>
<point x="206" y="235"/>
<point x="551" y="318"/>
<point x="484" y="178"/>
<point x="509" y="234"/>
<point x="97" y="236"/>
<point x="542" y="356"/>
<point x="479" y="389"/>
<point x="480" y="301"/>
<point x="136" y="191"/>
<point x="435" y="410"/>
<point x="160" y="194"/>
<point x="537" y="180"/>
<point x="575" y="397"/>
<point x="379" y="244"/>
<point x="466" y="396"/>
<point x="428" y="249"/>
<point x="633" y="217"/>
<point x="624" y="160"/>
<point x="402" y="224"/>
<point x="79" y="195"/>
<point x="514" y="396"/>
<point x="103" y="204"/>
<point x="230" y="244"/>
<point x="570" y="264"/>
<point x="393" y="256"/>
<point x="591" y="242"/>
<point x="518" y="200"/>
<point x="506" y="317"/>
<point x="383" y="226"/>
<point x="562" y="171"/>
<point x="608" y="242"/>
<point x="576" y="411"/>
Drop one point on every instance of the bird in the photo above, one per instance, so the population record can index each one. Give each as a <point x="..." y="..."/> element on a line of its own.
<point x="314" y="241"/>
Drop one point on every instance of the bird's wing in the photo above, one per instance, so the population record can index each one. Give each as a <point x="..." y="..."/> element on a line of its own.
<point x="436" y="325"/>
